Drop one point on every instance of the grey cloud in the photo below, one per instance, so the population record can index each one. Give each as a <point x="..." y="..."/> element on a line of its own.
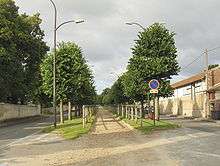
<point x="106" y="40"/>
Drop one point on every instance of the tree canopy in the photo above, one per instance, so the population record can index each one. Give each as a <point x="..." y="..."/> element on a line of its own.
<point x="21" y="51"/>
<point x="154" y="57"/>
<point x="113" y="95"/>
<point x="74" y="79"/>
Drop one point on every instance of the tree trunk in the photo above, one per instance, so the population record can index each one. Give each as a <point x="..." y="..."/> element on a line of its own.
<point x="142" y="108"/>
<point x="61" y="112"/>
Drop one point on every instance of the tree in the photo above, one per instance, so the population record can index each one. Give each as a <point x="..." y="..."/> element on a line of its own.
<point x="105" y="97"/>
<point x="117" y="93"/>
<point x="213" y="66"/>
<point x="113" y="95"/>
<point x="21" y="51"/>
<point x="154" y="57"/>
<point x="74" y="80"/>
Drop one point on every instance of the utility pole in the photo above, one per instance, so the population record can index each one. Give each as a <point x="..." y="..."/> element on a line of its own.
<point x="206" y="58"/>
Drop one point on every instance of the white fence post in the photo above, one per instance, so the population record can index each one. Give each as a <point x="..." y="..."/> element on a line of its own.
<point x="118" y="110"/>
<point x="83" y="116"/>
<point x="69" y="111"/>
<point x="136" y="114"/>
<point x="122" y="111"/>
<point x="132" y="113"/>
<point x="61" y="112"/>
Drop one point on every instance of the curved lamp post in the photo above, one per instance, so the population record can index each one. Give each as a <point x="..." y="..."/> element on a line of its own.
<point x="54" y="58"/>
<point x="137" y="24"/>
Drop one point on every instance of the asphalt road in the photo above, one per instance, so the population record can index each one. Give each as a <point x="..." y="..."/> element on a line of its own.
<point x="15" y="132"/>
<point x="196" y="143"/>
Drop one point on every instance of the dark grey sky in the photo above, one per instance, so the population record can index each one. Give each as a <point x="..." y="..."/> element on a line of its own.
<point x="106" y="40"/>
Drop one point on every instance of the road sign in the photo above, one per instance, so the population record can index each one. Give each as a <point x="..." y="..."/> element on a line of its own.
<point x="154" y="84"/>
<point x="154" y="91"/>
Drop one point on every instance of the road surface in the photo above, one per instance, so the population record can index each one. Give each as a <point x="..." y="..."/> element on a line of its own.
<point x="111" y="142"/>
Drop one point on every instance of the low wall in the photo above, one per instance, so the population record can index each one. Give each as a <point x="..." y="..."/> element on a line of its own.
<point x="12" y="111"/>
<point x="184" y="106"/>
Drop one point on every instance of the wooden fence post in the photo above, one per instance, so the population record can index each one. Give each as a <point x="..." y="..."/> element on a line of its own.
<point x="141" y="116"/>
<point x="118" y="110"/>
<point x="136" y="114"/>
<point x="122" y="111"/>
<point x="61" y="112"/>
<point x="83" y="116"/>
<point x="132" y="113"/>
<point x="69" y="111"/>
<point x="90" y="112"/>
<point x="129" y="113"/>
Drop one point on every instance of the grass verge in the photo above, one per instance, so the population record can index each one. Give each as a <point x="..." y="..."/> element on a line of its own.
<point x="71" y="129"/>
<point x="148" y="125"/>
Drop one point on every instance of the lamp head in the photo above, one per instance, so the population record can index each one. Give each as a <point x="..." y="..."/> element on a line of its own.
<point x="129" y="23"/>
<point x="79" y="21"/>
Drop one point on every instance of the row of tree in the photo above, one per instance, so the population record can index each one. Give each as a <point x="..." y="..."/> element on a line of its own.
<point x="154" y="56"/>
<point x="26" y="68"/>
<point x="21" y="51"/>
<point x="74" y="80"/>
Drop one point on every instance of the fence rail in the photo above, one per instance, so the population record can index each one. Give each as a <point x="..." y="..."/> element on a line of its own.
<point x="88" y="112"/>
<point x="133" y="112"/>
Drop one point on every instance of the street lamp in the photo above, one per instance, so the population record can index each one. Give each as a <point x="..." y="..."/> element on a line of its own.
<point x="135" y="23"/>
<point x="54" y="58"/>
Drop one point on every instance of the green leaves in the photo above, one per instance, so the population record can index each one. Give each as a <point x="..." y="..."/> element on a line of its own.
<point x="21" y="51"/>
<point x="74" y="80"/>
<point x="154" y="57"/>
<point x="115" y="95"/>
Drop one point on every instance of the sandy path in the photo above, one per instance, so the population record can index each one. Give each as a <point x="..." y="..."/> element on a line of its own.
<point x="110" y="143"/>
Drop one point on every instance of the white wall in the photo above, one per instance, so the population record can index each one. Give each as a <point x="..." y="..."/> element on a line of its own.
<point x="217" y="95"/>
<point x="11" y="111"/>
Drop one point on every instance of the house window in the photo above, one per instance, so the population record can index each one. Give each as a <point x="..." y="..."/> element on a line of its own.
<point x="187" y="91"/>
<point x="198" y="87"/>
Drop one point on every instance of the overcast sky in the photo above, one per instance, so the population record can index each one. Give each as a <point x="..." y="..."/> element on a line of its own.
<point x="106" y="40"/>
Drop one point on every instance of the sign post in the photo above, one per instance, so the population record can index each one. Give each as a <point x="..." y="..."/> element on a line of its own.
<point x="154" y="85"/>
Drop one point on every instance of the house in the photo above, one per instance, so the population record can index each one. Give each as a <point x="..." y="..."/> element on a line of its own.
<point x="196" y="96"/>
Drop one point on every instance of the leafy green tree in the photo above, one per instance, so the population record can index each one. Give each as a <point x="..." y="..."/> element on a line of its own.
<point x="21" y="51"/>
<point x="213" y="66"/>
<point x="154" y="57"/>
<point x="113" y="95"/>
<point x="117" y="93"/>
<point x="74" y="79"/>
<point x="106" y="98"/>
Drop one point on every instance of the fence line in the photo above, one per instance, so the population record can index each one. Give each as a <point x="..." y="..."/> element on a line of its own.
<point x="88" y="111"/>
<point x="133" y="112"/>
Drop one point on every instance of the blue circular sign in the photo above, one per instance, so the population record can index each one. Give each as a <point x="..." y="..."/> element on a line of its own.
<point x="154" y="84"/>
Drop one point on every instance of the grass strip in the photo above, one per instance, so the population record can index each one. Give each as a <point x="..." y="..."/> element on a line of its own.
<point x="148" y="125"/>
<point x="71" y="129"/>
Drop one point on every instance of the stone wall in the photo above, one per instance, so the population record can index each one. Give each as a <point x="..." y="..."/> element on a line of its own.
<point x="184" y="106"/>
<point x="12" y="111"/>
